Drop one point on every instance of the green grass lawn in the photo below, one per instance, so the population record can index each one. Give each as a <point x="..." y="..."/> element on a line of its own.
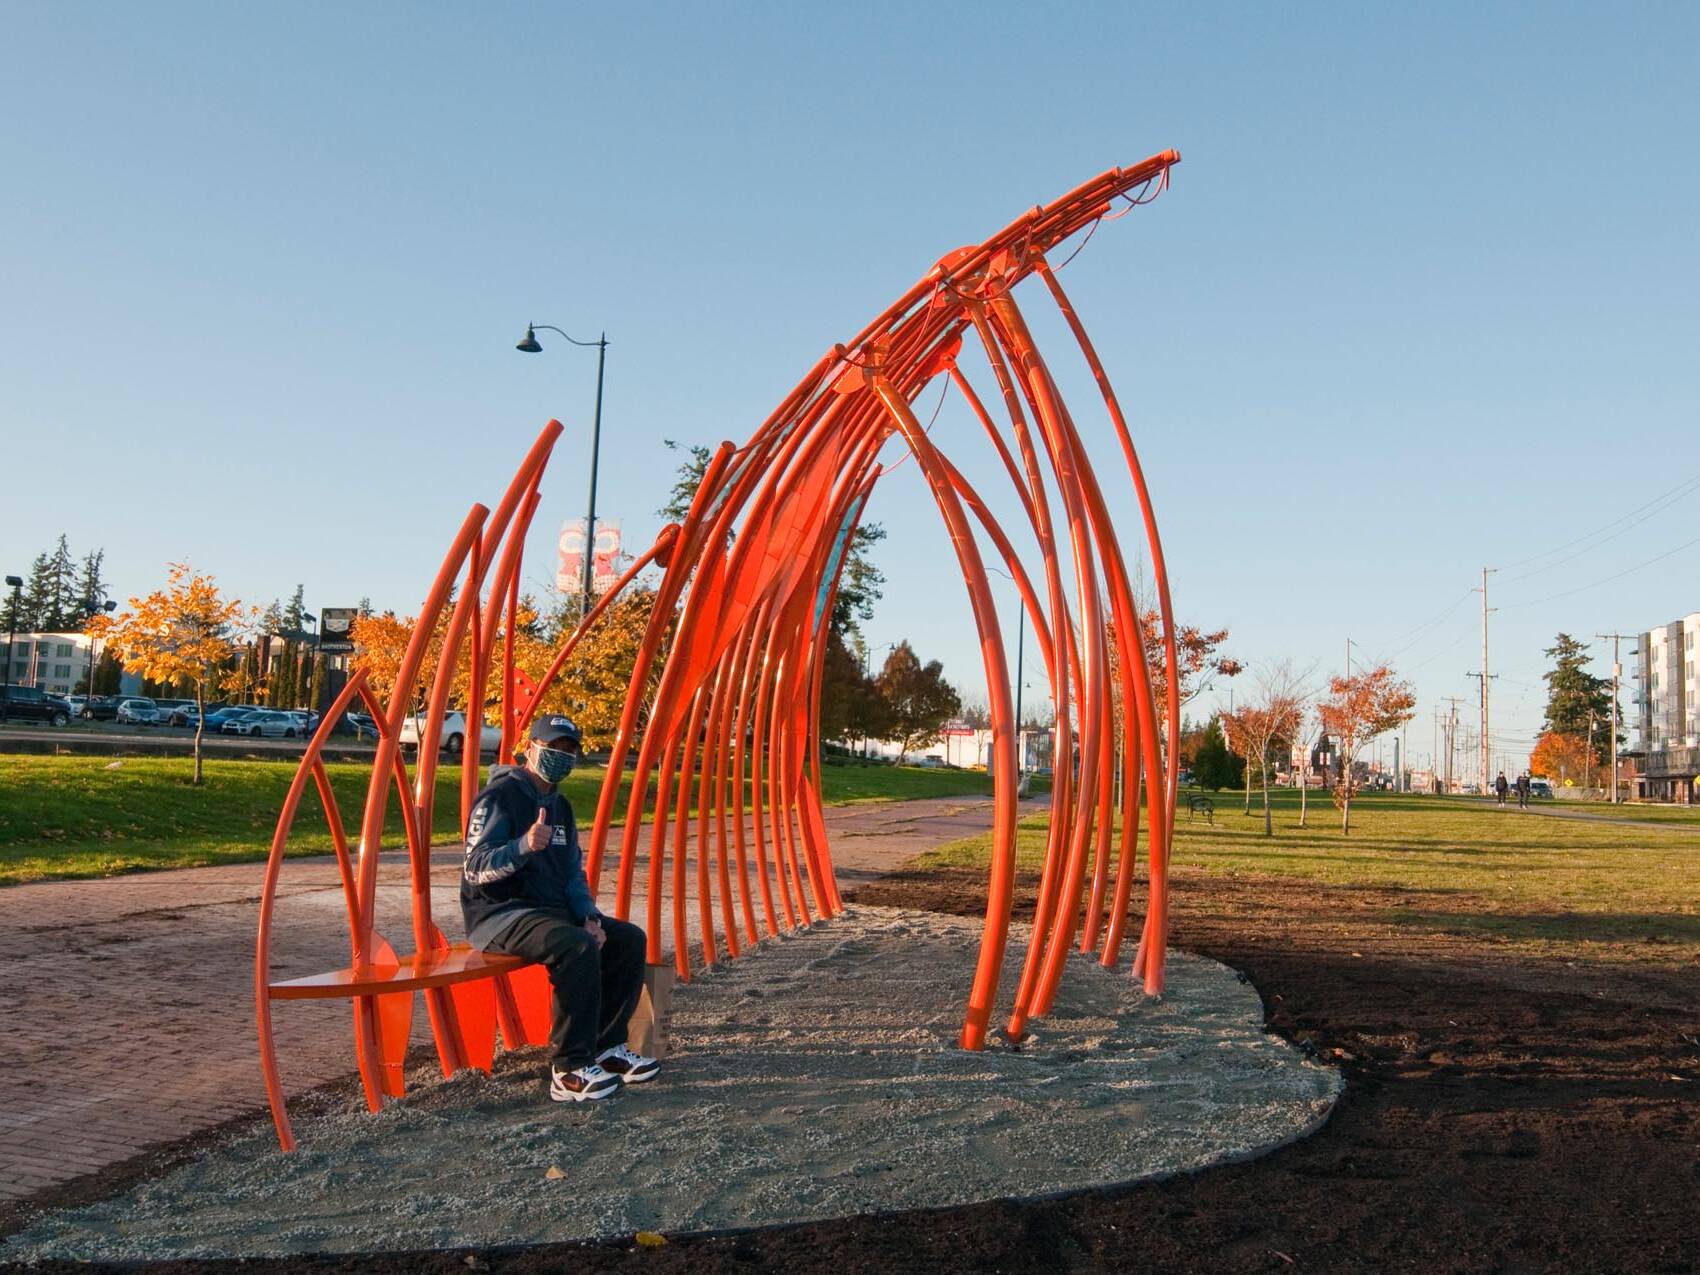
<point x="81" y="816"/>
<point x="1467" y="867"/>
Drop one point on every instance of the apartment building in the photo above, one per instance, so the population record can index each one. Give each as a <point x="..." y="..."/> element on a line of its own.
<point x="55" y="662"/>
<point x="1668" y="710"/>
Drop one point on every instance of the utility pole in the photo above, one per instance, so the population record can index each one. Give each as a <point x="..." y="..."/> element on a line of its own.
<point x="1486" y="736"/>
<point x="1616" y="676"/>
<point x="1451" y="739"/>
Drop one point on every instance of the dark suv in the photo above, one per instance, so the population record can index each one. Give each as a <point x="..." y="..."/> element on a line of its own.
<point x="31" y="703"/>
<point x="100" y="708"/>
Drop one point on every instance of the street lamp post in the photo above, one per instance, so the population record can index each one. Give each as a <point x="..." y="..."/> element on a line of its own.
<point x="529" y="345"/>
<point x="16" y="583"/>
<point x="312" y="668"/>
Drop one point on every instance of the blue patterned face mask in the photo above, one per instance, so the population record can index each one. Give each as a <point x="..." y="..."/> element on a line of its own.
<point x="555" y="764"/>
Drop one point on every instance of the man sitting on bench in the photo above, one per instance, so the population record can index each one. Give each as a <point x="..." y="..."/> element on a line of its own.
<point x="523" y="892"/>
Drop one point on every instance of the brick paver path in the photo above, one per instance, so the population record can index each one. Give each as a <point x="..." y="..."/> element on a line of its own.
<point x="127" y="1003"/>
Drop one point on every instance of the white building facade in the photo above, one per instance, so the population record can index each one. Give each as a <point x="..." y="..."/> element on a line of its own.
<point x="55" y="662"/>
<point x="1668" y="710"/>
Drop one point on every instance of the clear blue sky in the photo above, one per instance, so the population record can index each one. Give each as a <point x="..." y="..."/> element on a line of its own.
<point x="1422" y="297"/>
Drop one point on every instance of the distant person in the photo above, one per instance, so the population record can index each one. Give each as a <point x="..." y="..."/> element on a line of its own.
<point x="1523" y="791"/>
<point x="523" y="892"/>
<point x="1500" y="787"/>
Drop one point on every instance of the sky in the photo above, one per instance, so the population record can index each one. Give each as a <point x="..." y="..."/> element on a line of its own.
<point x="1420" y="300"/>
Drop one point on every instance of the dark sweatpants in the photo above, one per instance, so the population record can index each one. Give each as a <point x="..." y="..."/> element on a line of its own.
<point x="595" y="990"/>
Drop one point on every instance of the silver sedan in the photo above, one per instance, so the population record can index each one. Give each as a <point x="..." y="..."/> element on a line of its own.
<point x="267" y="722"/>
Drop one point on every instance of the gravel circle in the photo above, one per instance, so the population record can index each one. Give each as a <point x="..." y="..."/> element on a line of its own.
<point x="815" y="1077"/>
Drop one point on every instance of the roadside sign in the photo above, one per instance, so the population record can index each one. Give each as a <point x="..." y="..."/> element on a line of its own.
<point x="336" y="629"/>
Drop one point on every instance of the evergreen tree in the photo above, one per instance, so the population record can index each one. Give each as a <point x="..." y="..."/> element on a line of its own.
<point x="316" y="684"/>
<point x="62" y="570"/>
<point x="107" y="674"/>
<point x="1578" y="703"/>
<point x="38" y="597"/>
<point x="297" y="608"/>
<point x="686" y="481"/>
<point x="271" y="619"/>
<point x="91" y="587"/>
<point x="1213" y="766"/>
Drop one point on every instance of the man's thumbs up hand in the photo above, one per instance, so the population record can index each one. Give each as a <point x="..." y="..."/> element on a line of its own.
<point x="537" y="836"/>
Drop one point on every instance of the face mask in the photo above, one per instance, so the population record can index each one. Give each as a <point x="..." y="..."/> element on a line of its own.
<point x="555" y="764"/>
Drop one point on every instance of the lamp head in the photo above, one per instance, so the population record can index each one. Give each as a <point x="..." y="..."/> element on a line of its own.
<point x="15" y="582"/>
<point x="528" y="343"/>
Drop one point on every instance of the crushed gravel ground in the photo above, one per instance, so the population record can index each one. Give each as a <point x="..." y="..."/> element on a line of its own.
<point x="817" y="1077"/>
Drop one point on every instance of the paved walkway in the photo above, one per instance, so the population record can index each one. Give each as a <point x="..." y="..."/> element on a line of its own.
<point x="128" y="1001"/>
<point x="1662" y="825"/>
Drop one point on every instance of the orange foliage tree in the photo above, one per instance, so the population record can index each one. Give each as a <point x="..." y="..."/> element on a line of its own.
<point x="1561" y="757"/>
<point x="591" y="687"/>
<point x="186" y="632"/>
<point x="1272" y="717"/>
<point x="1359" y="708"/>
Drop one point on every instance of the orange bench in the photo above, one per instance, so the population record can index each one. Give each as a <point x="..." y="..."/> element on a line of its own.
<point x="469" y="994"/>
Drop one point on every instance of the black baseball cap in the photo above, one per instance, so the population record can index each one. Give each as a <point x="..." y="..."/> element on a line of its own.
<point x="555" y="731"/>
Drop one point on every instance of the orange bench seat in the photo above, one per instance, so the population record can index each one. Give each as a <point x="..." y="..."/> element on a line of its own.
<point x="459" y="963"/>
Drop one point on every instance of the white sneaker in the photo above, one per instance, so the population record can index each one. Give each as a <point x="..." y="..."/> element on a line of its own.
<point x="585" y="1084"/>
<point x="633" y="1068"/>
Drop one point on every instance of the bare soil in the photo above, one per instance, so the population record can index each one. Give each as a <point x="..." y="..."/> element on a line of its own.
<point x="1503" y="1112"/>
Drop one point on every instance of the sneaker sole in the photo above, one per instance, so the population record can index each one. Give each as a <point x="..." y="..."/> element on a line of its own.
<point x="583" y="1095"/>
<point x="638" y="1077"/>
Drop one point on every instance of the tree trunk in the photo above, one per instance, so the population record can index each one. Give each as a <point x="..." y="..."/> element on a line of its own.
<point x="200" y="724"/>
<point x="1268" y="826"/>
<point x="1248" y="781"/>
<point x="1304" y="793"/>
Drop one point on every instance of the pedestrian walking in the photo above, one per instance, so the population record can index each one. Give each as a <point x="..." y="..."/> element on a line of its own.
<point x="1501" y="787"/>
<point x="1523" y="791"/>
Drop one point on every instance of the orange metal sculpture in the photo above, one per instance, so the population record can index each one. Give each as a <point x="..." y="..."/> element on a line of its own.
<point x="746" y="592"/>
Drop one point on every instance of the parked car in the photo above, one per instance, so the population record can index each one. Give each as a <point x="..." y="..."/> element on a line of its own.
<point x="216" y="719"/>
<point x="453" y="736"/>
<point x="269" y="722"/>
<point x="137" y="711"/>
<point x="932" y="763"/>
<point x="75" y="703"/>
<point x="32" y="704"/>
<point x="1540" y="788"/>
<point x="168" y="710"/>
<point x="100" y="708"/>
<point x="364" y="726"/>
<point x="186" y="715"/>
<point x="309" y="720"/>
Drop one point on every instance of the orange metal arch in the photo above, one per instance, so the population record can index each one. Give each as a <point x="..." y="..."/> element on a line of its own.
<point x="735" y="651"/>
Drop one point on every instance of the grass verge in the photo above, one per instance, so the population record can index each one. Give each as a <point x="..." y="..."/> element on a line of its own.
<point x="1448" y="866"/>
<point x="85" y="816"/>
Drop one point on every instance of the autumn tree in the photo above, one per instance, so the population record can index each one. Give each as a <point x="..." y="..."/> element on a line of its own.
<point x="1358" y="708"/>
<point x="1561" y="757"/>
<point x="185" y="632"/>
<point x="1269" y="718"/>
<point x="918" y="697"/>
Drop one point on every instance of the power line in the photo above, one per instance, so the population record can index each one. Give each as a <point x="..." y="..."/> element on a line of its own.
<point x="1553" y="597"/>
<point x="1665" y="498"/>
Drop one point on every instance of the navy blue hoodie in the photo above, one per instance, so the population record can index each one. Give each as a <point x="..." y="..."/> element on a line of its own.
<point x="499" y="877"/>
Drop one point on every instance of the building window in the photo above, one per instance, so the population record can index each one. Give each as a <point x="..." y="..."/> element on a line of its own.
<point x="61" y="671"/>
<point x="64" y="651"/>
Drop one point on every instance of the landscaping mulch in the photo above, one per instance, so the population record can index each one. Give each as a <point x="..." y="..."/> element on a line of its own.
<point x="1503" y="1112"/>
